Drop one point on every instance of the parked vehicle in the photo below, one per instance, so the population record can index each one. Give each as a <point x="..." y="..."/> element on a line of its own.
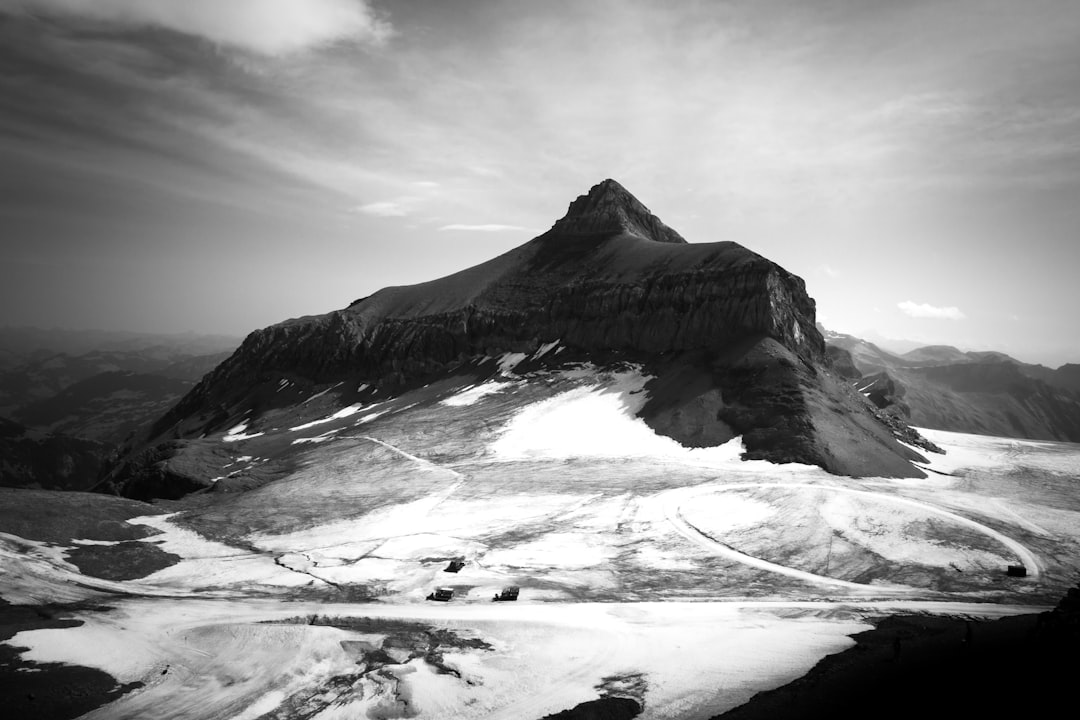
<point x="508" y="593"/>
<point x="442" y="594"/>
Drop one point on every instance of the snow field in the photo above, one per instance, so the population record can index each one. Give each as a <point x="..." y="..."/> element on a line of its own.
<point x="609" y="515"/>
<point x="210" y="564"/>
<point x="886" y="525"/>
<point x="598" y="419"/>
<point x="697" y="659"/>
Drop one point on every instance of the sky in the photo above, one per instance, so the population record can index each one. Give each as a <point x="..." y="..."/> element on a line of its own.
<point x="175" y="165"/>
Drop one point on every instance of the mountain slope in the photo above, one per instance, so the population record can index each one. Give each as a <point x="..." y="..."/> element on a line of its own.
<point x="1066" y="377"/>
<point x="990" y="393"/>
<point x="867" y="357"/>
<point x="608" y="283"/>
<point x="991" y="399"/>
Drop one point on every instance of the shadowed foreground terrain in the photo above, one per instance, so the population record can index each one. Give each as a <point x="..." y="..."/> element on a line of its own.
<point x="912" y="666"/>
<point x="49" y="691"/>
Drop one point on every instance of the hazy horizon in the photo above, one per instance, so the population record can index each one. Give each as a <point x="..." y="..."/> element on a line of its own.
<point x="171" y="167"/>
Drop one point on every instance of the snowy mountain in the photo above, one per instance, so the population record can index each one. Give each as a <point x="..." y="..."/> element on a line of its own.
<point x="726" y="337"/>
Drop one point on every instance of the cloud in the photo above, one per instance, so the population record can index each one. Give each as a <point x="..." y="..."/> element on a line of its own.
<point x="383" y="209"/>
<point x="922" y="310"/>
<point x="830" y="271"/>
<point x="271" y="27"/>
<point x="490" y="227"/>
<point x="484" y="171"/>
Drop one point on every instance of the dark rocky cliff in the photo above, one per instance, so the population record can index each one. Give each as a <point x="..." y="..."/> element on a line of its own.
<point x="609" y="278"/>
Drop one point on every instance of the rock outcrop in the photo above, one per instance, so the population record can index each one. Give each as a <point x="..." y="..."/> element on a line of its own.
<point x="608" y="280"/>
<point x="842" y="362"/>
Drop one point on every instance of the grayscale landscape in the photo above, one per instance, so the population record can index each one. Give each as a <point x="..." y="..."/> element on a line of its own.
<point x="466" y="430"/>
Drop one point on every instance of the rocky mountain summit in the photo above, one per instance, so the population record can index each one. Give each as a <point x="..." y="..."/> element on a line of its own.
<point x="728" y="336"/>
<point x="610" y="209"/>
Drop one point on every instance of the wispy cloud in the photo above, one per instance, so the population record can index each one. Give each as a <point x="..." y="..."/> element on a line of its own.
<point x="924" y="310"/>
<point x="488" y="227"/>
<point x="271" y="27"/>
<point x="383" y="209"/>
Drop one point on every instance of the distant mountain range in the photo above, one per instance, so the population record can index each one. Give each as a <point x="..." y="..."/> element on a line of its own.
<point x="944" y="388"/>
<point x="66" y="403"/>
<point x="17" y="344"/>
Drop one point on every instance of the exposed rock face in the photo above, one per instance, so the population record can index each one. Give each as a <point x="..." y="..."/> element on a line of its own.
<point x="785" y="409"/>
<point x="842" y="362"/>
<point x="608" y="280"/>
<point x="609" y="209"/>
<point x="882" y="390"/>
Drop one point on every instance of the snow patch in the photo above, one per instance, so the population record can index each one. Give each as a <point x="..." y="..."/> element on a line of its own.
<point x="321" y="393"/>
<point x="561" y="550"/>
<point x="598" y="420"/>
<point x="658" y="559"/>
<point x="268" y="702"/>
<point x="509" y="361"/>
<point x="207" y="563"/>
<point x="369" y="417"/>
<point x="342" y="413"/>
<point x="125" y="657"/>
<point x="239" y="432"/>
<point x="889" y="530"/>
<point x="470" y="395"/>
<point x="728" y="512"/>
<point x="546" y="348"/>
<point x="326" y="436"/>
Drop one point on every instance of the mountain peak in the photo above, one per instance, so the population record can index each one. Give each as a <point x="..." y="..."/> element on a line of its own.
<point x="610" y="209"/>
